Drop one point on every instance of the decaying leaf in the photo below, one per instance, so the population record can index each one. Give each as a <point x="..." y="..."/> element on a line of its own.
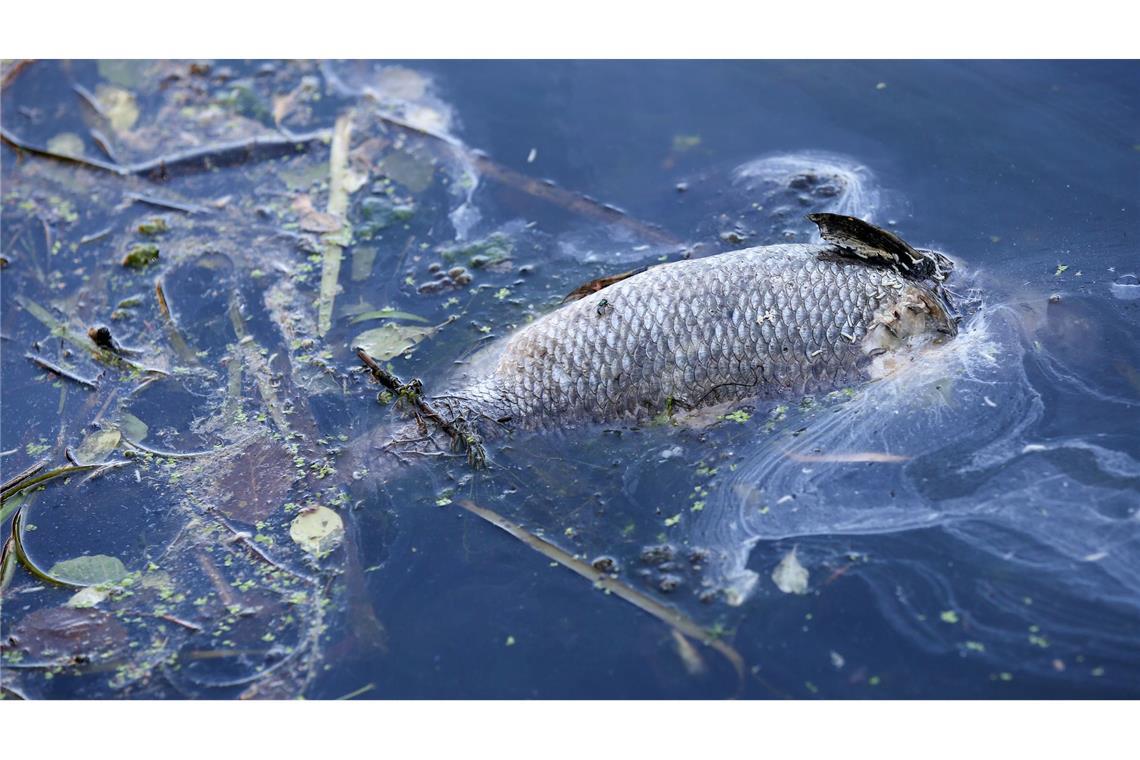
<point x="313" y="220"/>
<point x="391" y="340"/>
<point x="87" y="597"/>
<point x="125" y="73"/>
<point x="411" y="170"/>
<point x="255" y="482"/>
<point x="119" y="105"/>
<point x="89" y="570"/>
<point x="790" y="576"/>
<point x="62" y="634"/>
<point x="97" y="446"/>
<point x="132" y="427"/>
<point x="363" y="257"/>
<point x="318" y="530"/>
<point x="66" y="144"/>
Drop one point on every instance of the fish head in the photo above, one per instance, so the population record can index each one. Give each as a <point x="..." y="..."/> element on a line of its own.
<point x="917" y="317"/>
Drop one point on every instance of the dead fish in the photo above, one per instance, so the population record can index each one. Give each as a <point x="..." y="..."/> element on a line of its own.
<point x="773" y="321"/>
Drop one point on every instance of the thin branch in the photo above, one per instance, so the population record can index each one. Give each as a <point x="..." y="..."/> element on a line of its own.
<point x="153" y="200"/>
<point x="333" y="252"/>
<point x="20" y="477"/>
<point x="58" y="370"/>
<point x="671" y="617"/>
<point x="14" y="71"/>
<point x="460" y="434"/>
<point x="187" y="161"/>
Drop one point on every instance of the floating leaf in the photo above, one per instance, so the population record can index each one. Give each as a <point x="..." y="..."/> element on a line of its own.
<point x="256" y="482"/>
<point x="119" y="105"/>
<point x="391" y="340"/>
<point x="89" y="570"/>
<point x="318" y="531"/>
<point x="790" y="576"/>
<point x="412" y="171"/>
<point x="60" y="634"/>
<point x="97" y="446"/>
<point x="363" y="257"/>
<point x="493" y="249"/>
<point x="379" y="212"/>
<point x="66" y="144"/>
<point x="133" y="428"/>
<point x="386" y="313"/>
<point x="87" y="597"/>
<point x="302" y="176"/>
<point x="313" y="220"/>
<point x="127" y="73"/>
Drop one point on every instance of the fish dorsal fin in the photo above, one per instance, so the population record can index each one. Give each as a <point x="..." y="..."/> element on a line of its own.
<point x="861" y="240"/>
<point x="593" y="286"/>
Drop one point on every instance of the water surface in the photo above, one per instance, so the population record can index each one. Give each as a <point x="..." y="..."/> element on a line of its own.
<point x="969" y="528"/>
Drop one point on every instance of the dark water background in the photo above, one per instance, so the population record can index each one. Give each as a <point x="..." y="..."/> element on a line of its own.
<point x="946" y="577"/>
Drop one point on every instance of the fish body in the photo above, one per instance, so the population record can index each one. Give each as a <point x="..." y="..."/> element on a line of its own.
<point x="773" y="321"/>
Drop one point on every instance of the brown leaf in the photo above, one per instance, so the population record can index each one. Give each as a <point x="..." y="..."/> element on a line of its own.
<point x="313" y="220"/>
<point x="60" y="634"/>
<point x="256" y="482"/>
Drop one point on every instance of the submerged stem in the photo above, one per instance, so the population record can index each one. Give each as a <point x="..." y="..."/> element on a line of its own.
<point x="671" y="617"/>
<point x="333" y="251"/>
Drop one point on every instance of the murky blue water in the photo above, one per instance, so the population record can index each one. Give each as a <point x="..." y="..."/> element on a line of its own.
<point x="996" y="553"/>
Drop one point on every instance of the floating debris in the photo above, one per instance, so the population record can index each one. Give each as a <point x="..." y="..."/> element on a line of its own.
<point x="790" y="576"/>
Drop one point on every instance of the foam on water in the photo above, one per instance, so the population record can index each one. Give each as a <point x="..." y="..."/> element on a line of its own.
<point x="1055" y="517"/>
<point x="409" y="96"/>
<point x="785" y="187"/>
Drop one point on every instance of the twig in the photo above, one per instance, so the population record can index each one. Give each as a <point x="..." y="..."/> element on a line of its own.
<point x="103" y="467"/>
<point x="96" y="108"/>
<point x="58" y="370"/>
<point x="571" y="201"/>
<point x="180" y="622"/>
<point x="153" y="200"/>
<point x="671" y="617"/>
<point x="184" y="454"/>
<point x="14" y="71"/>
<point x="25" y="483"/>
<point x="187" y="161"/>
<point x="95" y="236"/>
<point x="242" y="538"/>
<point x="18" y="478"/>
<point x="460" y="434"/>
<point x="90" y="101"/>
<point x="357" y="692"/>
<point x="173" y="334"/>
<point x="337" y="207"/>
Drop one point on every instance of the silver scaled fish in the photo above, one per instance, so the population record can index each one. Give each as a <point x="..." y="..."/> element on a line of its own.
<point x="772" y="321"/>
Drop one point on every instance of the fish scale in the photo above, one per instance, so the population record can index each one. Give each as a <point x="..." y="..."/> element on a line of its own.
<point x="761" y="322"/>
